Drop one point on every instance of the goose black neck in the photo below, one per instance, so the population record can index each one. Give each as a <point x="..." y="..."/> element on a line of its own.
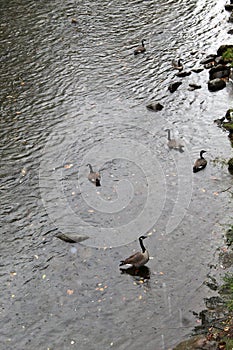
<point x="91" y="170"/>
<point x="142" y="245"/>
<point x="201" y="154"/>
<point x="143" y="43"/>
<point x="169" y="134"/>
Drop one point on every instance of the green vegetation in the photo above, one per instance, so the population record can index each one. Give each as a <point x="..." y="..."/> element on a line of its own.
<point x="227" y="291"/>
<point x="227" y="55"/>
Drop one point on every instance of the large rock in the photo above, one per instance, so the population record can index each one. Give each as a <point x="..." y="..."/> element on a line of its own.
<point x="230" y="165"/>
<point x="229" y="7"/>
<point x="220" y="71"/>
<point x="216" y="84"/>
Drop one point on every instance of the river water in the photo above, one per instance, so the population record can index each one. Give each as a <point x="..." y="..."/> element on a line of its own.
<point x="73" y="93"/>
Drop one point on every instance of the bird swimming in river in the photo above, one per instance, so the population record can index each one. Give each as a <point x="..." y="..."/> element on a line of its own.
<point x="138" y="259"/>
<point x="173" y="143"/>
<point x="200" y="163"/>
<point x="177" y="64"/>
<point x="140" y="49"/>
<point x="93" y="176"/>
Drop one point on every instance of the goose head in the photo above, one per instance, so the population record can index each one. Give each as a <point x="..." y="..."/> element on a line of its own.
<point x="143" y="237"/>
<point x="201" y="153"/>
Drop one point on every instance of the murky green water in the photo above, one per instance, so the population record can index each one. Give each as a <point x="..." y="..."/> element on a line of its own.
<point x="72" y="94"/>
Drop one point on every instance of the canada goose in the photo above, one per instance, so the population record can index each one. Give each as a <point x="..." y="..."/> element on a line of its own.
<point x="140" y="49"/>
<point x="94" y="177"/>
<point x="173" y="143"/>
<point x="200" y="163"/>
<point x="138" y="259"/>
<point x="177" y="64"/>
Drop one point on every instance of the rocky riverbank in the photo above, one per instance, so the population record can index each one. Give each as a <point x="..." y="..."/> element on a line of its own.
<point x="216" y="321"/>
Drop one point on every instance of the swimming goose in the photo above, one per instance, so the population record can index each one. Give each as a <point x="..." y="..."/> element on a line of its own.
<point x="94" y="177"/>
<point x="173" y="143"/>
<point x="140" y="49"/>
<point x="200" y="163"/>
<point x="138" y="259"/>
<point x="177" y="64"/>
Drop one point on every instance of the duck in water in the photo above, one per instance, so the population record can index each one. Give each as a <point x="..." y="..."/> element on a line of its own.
<point x="93" y="176"/>
<point x="200" y="163"/>
<point x="140" y="49"/>
<point x="138" y="259"/>
<point x="173" y="143"/>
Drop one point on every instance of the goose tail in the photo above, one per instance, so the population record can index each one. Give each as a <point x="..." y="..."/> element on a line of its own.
<point x="98" y="183"/>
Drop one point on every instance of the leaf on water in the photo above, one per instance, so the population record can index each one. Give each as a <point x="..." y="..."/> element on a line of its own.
<point x="70" y="291"/>
<point x="23" y="171"/>
<point x="13" y="274"/>
<point x="140" y="297"/>
<point x="91" y="211"/>
<point x="68" y="166"/>
<point x="43" y="277"/>
<point x="203" y="190"/>
<point x="216" y="193"/>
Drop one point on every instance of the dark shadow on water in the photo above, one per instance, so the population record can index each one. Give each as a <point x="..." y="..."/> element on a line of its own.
<point x="142" y="272"/>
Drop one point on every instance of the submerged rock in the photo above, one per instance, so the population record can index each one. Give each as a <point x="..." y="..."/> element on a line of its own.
<point x="194" y="86"/>
<point x="197" y="70"/>
<point x="155" y="106"/>
<point x="197" y="342"/>
<point x="71" y="237"/>
<point x="208" y="59"/>
<point x="174" y="86"/>
<point x="183" y="74"/>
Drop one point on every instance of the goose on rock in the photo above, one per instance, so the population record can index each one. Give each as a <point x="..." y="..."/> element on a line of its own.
<point x="93" y="176"/>
<point x="178" y="64"/>
<point x="200" y="163"/>
<point x="173" y="143"/>
<point x="138" y="259"/>
<point x="140" y="49"/>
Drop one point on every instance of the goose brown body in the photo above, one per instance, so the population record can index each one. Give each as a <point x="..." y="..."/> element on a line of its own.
<point x="140" y="49"/>
<point x="93" y="176"/>
<point x="138" y="259"/>
<point x="200" y="163"/>
<point x="173" y="143"/>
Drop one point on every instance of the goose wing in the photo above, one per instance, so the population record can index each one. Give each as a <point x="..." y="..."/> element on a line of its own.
<point x="133" y="259"/>
<point x="199" y="165"/>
